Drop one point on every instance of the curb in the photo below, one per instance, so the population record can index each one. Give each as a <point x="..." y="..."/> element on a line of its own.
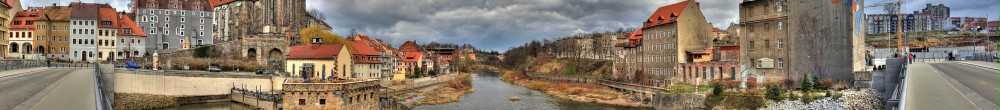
<point x="977" y="65"/>
<point x="33" y="71"/>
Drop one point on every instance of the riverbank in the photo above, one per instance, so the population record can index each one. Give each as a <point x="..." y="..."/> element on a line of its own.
<point x="579" y="92"/>
<point x="451" y="92"/>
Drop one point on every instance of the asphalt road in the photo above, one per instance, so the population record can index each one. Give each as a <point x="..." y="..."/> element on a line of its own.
<point x="17" y="89"/>
<point x="981" y="80"/>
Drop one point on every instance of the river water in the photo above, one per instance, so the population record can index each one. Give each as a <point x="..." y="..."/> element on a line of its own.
<point x="491" y="94"/>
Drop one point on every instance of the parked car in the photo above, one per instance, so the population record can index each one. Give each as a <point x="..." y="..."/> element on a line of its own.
<point x="214" y="69"/>
<point x="263" y="71"/>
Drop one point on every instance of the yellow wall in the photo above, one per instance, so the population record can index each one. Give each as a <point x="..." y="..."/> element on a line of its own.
<point x="342" y="64"/>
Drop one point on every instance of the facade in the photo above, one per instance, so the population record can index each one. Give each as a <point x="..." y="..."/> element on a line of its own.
<point x="53" y="30"/>
<point x="21" y="36"/>
<point x="131" y="39"/>
<point x="319" y="60"/>
<point x="84" y="21"/>
<point x="391" y="59"/>
<point x="234" y="19"/>
<point x="887" y="23"/>
<point x="351" y="95"/>
<point x="175" y="24"/>
<point x="107" y="34"/>
<point x="940" y="12"/>
<point x="968" y="23"/>
<point x="366" y="59"/>
<point x="673" y="35"/>
<point x="724" y="65"/>
<point x="412" y="61"/>
<point x="779" y="40"/>
<point x="4" y="27"/>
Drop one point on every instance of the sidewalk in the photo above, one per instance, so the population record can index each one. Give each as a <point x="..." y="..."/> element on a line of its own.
<point x="75" y="93"/>
<point x="928" y="90"/>
<point x="20" y="71"/>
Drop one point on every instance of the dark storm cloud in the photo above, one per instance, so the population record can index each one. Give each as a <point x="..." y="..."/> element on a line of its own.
<point x="496" y="24"/>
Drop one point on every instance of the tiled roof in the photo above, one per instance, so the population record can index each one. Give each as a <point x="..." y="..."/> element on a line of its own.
<point x="107" y="14"/>
<point x="126" y="23"/>
<point x="992" y="23"/>
<point x="665" y="13"/>
<point x="412" y="56"/>
<point x="56" y="13"/>
<point x="85" y="10"/>
<point x="216" y="3"/>
<point x="360" y="47"/>
<point x="316" y="51"/>
<point x="410" y="46"/>
<point x="23" y="17"/>
<point x="635" y="39"/>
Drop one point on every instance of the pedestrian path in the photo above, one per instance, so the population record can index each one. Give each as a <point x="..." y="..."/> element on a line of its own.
<point x="20" y="71"/>
<point x="928" y="90"/>
<point x="76" y="92"/>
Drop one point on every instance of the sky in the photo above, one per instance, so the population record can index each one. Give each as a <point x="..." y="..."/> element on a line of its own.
<point x="502" y="24"/>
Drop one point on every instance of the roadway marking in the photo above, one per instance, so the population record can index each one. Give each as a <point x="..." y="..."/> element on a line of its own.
<point x="953" y="86"/>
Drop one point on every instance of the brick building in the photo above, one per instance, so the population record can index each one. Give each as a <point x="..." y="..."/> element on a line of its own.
<point x="346" y="95"/>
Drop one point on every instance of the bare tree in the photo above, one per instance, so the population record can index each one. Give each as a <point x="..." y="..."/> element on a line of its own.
<point x="316" y="13"/>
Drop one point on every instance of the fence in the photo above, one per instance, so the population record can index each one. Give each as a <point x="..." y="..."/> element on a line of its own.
<point x="103" y="98"/>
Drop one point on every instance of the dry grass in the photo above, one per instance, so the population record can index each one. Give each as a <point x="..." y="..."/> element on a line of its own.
<point x="224" y="64"/>
<point x="136" y="101"/>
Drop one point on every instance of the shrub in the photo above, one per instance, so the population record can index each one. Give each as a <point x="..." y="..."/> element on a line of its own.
<point x="773" y="92"/>
<point x="718" y="89"/>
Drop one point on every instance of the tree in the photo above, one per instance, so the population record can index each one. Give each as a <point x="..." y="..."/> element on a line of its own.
<point x="328" y="37"/>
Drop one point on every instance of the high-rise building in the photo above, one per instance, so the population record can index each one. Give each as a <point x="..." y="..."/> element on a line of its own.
<point x="941" y="14"/>
<point x="888" y="23"/>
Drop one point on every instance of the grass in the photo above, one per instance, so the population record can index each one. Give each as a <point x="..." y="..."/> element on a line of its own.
<point x="685" y="88"/>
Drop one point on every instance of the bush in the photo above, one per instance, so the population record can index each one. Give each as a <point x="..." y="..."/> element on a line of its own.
<point x="718" y="89"/>
<point x="773" y="92"/>
<point x="201" y="52"/>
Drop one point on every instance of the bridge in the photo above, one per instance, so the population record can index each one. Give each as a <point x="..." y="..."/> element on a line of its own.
<point x="33" y="84"/>
<point x="632" y="87"/>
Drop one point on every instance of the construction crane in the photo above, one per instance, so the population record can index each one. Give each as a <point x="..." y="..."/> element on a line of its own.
<point x="894" y="8"/>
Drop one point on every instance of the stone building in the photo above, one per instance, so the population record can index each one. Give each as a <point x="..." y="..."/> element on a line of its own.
<point x="673" y="35"/>
<point x="344" y="95"/>
<point x="723" y="65"/>
<point x="21" y="37"/>
<point x="175" y="24"/>
<point x="235" y="19"/>
<point x="780" y="40"/>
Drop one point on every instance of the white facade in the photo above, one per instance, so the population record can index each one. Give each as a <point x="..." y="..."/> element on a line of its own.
<point x="130" y="46"/>
<point x="83" y="40"/>
<point x="20" y="44"/>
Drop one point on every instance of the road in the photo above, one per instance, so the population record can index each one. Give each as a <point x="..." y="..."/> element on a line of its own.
<point x="19" y="88"/>
<point x="981" y="80"/>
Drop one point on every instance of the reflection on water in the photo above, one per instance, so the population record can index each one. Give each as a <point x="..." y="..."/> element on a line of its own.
<point x="212" y="106"/>
<point x="493" y="93"/>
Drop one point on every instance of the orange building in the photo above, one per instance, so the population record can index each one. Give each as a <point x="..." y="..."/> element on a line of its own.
<point x="52" y="30"/>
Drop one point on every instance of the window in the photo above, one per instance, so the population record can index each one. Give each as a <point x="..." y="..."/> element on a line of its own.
<point x="780" y="25"/>
<point x="767" y="44"/>
<point x="302" y="101"/>
<point x="750" y="45"/>
<point x="106" y="23"/>
<point x="182" y="19"/>
<point x="166" y="18"/>
<point x="322" y="101"/>
<point x="781" y="42"/>
<point x="127" y="30"/>
<point x="781" y="63"/>
<point x="166" y="32"/>
<point x="779" y="6"/>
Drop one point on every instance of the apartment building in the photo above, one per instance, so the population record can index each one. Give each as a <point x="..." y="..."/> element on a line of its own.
<point x="674" y="34"/>
<point x="175" y="24"/>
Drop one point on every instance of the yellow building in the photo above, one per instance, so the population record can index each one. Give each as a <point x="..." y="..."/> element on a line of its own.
<point x="319" y="60"/>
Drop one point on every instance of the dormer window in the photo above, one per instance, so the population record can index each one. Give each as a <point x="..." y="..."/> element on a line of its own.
<point x="659" y="21"/>
<point x="673" y="18"/>
<point x="317" y="40"/>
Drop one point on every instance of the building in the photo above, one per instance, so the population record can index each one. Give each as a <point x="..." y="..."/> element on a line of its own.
<point x="131" y="39"/>
<point x="107" y="33"/>
<point x="53" y="32"/>
<point x="366" y="59"/>
<point x="413" y="61"/>
<point x="391" y="59"/>
<point x="724" y="65"/>
<point x="175" y="24"/>
<point x="84" y="20"/>
<point x="780" y="40"/>
<point x="940" y="13"/>
<point x="346" y="95"/>
<point x="21" y="38"/>
<point x="5" y="19"/>
<point x="234" y="19"/>
<point x="968" y="23"/>
<point x="319" y="60"/>
<point x="674" y="34"/>
<point x="991" y="26"/>
<point x="888" y="23"/>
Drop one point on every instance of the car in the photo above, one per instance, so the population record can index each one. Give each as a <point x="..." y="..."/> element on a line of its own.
<point x="262" y="71"/>
<point x="214" y="69"/>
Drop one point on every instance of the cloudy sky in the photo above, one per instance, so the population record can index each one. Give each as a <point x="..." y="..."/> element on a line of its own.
<point x="501" y="24"/>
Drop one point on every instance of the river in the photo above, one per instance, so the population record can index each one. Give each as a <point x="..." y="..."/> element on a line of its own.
<point x="491" y="94"/>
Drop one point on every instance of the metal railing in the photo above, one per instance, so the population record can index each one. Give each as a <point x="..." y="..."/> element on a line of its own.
<point x="103" y="102"/>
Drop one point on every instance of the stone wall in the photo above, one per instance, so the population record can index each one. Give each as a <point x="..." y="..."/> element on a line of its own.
<point x="250" y="99"/>
<point x="188" y="86"/>
<point x="678" y="101"/>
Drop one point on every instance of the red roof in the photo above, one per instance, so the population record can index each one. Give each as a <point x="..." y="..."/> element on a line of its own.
<point x="126" y="23"/>
<point x="410" y="46"/>
<point x="216" y="3"/>
<point x="107" y="14"/>
<point x="23" y="17"/>
<point x="412" y="56"/>
<point x="360" y="46"/>
<point x="315" y="51"/>
<point x="665" y="13"/>
<point x="992" y="24"/>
